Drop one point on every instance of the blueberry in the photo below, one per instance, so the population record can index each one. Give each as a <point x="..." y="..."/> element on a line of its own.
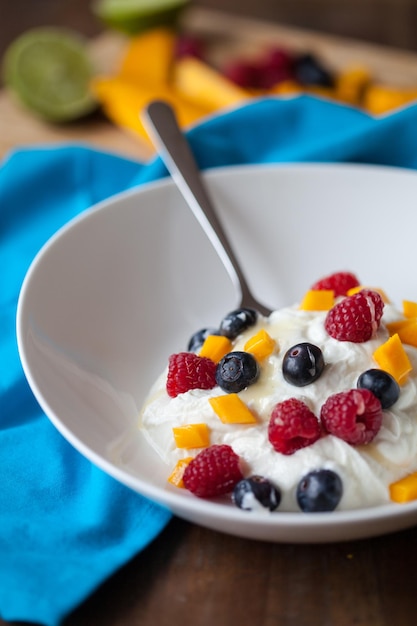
<point x="309" y="71"/>
<point x="302" y="364"/>
<point x="319" y="490"/>
<point x="256" y="493"/>
<point x="382" y="385"/>
<point x="236" y="371"/>
<point x="237" y="321"/>
<point x="197" y="340"/>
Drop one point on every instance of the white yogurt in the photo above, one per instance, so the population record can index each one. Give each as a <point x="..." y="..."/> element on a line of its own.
<point x="366" y="471"/>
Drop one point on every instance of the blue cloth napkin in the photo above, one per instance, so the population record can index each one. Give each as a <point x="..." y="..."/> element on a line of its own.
<point x="65" y="526"/>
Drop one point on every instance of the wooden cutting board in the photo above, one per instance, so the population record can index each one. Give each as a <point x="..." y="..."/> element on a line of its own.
<point x="226" y="36"/>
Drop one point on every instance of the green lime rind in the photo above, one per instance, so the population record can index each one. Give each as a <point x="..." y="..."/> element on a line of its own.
<point x="134" y="16"/>
<point x="49" y="71"/>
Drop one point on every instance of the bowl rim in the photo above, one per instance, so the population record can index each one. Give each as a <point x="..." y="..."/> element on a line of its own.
<point x="185" y="504"/>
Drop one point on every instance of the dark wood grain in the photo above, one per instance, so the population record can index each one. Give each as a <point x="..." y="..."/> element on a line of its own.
<point x="191" y="575"/>
<point x="387" y="22"/>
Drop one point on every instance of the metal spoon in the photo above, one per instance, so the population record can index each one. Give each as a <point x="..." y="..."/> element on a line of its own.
<point x="175" y="152"/>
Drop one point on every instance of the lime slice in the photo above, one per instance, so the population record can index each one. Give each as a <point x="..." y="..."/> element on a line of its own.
<point x="134" y="16"/>
<point x="50" y="72"/>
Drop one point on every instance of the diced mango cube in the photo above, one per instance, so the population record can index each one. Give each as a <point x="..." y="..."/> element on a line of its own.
<point x="318" y="300"/>
<point x="353" y="290"/>
<point x="191" y="436"/>
<point x="392" y="358"/>
<point x="406" y="329"/>
<point x="176" y="476"/>
<point x="260" y="345"/>
<point x="215" y="347"/>
<point x="409" y="308"/>
<point x="408" y="334"/>
<point x="232" y="410"/>
<point x="405" y="489"/>
<point x="395" y="327"/>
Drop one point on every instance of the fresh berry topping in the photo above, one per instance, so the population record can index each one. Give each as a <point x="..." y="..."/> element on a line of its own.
<point x="309" y="71"/>
<point x="340" y="283"/>
<point x="213" y="472"/>
<point x="189" y="46"/>
<point x="271" y="68"/>
<point x="235" y="322"/>
<point x="242" y="73"/>
<point x="383" y="386"/>
<point x="320" y="490"/>
<point x="356" y="318"/>
<point x="302" y="364"/>
<point x="236" y="371"/>
<point x="187" y="370"/>
<point x="292" y="426"/>
<point x="197" y="340"/>
<point x="256" y="493"/>
<point x="355" y="415"/>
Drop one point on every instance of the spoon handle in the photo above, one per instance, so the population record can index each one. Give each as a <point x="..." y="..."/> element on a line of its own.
<point x="176" y="153"/>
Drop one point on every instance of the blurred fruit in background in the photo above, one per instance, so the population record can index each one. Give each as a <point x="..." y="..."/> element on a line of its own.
<point x="51" y="73"/>
<point x="134" y="16"/>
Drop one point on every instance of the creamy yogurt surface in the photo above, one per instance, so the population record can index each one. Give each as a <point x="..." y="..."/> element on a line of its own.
<point x="366" y="471"/>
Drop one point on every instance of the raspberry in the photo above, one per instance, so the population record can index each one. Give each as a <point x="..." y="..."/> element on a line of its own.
<point x="187" y="370"/>
<point x="355" y="416"/>
<point x="356" y="318"/>
<point x="292" y="426"/>
<point x="340" y="282"/>
<point x="213" y="472"/>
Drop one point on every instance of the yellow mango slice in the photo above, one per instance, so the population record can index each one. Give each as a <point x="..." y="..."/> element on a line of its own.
<point x="215" y="347"/>
<point x="260" y="345"/>
<point x="405" y="489"/>
<point x="408" y="334"/>
<point x="351" y="84"/>
<point x="383" y="98"/>
<point x="191" y="436"/>
<point x="318" y="300"/>
<point x="409" y="308"/>
<point x="148" y="57"/>
<point x="406" y="330"/>
<point x="395" y="327"/>
<point x="286" y="87"/>
<point x="353" y="290"/>
<point x="123" y="100"/>
<point x="232" y="410"/>
<point x="392" y="358"/>
<point x="199" y="83"/>
<point x="176" y="476"/>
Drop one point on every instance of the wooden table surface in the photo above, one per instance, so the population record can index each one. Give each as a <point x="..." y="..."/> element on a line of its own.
<point x="191" y="575"/>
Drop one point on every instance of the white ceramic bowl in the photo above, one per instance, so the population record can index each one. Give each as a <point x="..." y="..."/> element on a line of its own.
<point x="124" y="285"/>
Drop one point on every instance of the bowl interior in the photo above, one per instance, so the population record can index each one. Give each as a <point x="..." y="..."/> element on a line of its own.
<point x="118" y="289"/>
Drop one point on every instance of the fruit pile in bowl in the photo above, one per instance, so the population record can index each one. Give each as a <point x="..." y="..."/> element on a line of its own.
<point x="313" y="408"/>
